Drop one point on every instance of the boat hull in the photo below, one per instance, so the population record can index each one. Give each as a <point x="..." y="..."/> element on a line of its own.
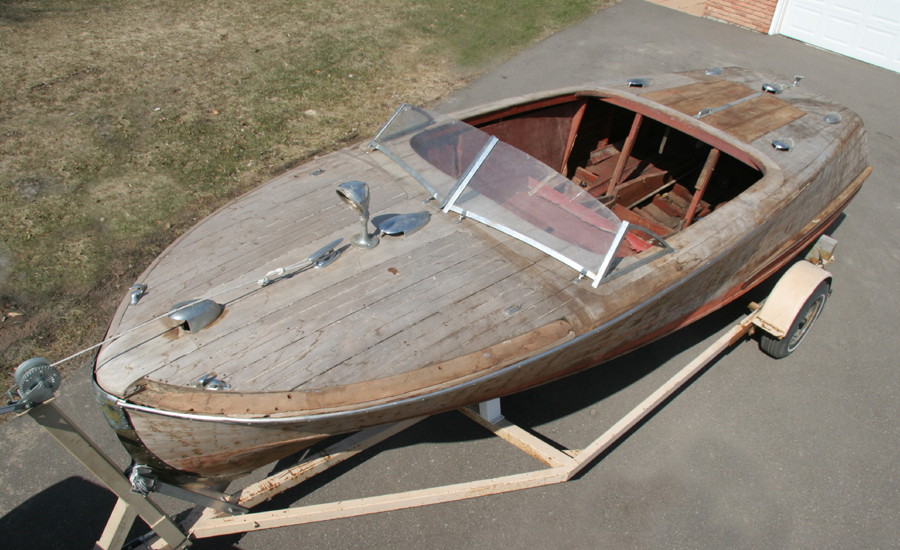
<point x="216" y="436"/>
<point x="211" y="448"/>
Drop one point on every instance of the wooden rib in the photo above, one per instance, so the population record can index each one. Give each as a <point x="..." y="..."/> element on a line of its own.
<point x="623" y="157"/>
<point x="573" y="131"/>
<point x="702" y="182"/>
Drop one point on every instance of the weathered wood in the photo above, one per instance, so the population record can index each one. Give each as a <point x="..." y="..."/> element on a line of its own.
<point x="771" y="121"/>
<point x="626" y="153"/>
<point x="675" y="95"/>
<point x="457" y="313"/>
<point x="704" y="95"/>
<point x="259" y="492"/>
<point x="702" y="182"/>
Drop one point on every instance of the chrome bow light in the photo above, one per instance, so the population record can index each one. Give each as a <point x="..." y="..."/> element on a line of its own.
<point x="356" y="195"/>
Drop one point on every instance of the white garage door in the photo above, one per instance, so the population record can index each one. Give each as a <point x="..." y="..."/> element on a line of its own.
<point x="868" y="30"/>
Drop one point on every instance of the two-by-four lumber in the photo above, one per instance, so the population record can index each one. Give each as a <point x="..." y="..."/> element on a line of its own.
<point x="568" y="468"/>
<point x="525" y="441"/>
<point x="650" y="404"/>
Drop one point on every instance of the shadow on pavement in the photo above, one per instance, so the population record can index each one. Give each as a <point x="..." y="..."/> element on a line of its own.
<point x="70" y="514"/>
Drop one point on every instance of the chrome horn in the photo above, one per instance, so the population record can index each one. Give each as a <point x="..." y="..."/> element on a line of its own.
<point x="356" y="195"/>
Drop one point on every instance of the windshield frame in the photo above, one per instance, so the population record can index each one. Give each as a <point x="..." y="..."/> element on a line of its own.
<point x="448" y="203"/>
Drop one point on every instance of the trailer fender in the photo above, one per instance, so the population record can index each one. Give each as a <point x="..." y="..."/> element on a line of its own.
<point x="787" y="298"/>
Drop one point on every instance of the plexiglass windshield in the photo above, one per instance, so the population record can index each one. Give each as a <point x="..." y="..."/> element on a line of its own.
<point x="475" y="175"/>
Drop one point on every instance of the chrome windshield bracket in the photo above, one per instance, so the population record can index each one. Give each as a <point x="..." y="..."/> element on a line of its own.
<point x="613" y="249"/>
<point x="377" y="146"/>
<point x="386" y="124"/>
<point x="469" y="174"/>
<point x="667" y="249"/>
<point x="581" y="276"/>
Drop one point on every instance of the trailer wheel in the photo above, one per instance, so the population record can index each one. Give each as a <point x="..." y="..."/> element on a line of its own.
<point x="779" y="348"/>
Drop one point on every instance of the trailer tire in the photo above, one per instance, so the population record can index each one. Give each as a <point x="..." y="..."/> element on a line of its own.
<point x="812" y="308"/>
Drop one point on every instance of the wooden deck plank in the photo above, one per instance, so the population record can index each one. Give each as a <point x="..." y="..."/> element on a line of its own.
<point x="293" y="203"/>
<point x="330" y="309"/>
<point x="439" y="351"/>
<point x="422" y="325"/>
<point x="492" y="328"/>
<point x="316" y="282"/>
<point x="754" y="128"/>
<point x="694" y="105"/>
<point x="259" y="241"/>
<point x="337" y="317"/>
<point x="248" y="262"/>
<point x="494" y="324"/>
<point x="368" y="322"/>
<point x="706" y="92"/>
<point x="742" y="112"/>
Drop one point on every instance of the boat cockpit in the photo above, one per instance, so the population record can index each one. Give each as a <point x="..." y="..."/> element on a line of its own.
<point x="584" y="179"/>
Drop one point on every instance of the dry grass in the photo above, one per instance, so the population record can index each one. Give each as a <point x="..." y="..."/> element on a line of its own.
<point x="122" y="123"/>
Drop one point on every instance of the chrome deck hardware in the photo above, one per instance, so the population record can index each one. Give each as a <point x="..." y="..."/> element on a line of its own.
<point x="405" y="224"/>
<point x="784" y="144"/>
<point x="137" y="292"/>
<point x="356" y="195"/>
<point x="195" y="315"/>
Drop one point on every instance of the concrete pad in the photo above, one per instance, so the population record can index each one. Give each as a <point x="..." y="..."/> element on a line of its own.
<point x="755" y="453"/>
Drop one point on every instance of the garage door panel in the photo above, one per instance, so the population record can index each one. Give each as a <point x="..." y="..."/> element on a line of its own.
<point x="868" y="30"/>
<point x="887" y="11"/>
<point x="854" y="7"/>
<point x="840" y="31"/>
<point x="807" y="23"/>
<point x="877" y="42"/>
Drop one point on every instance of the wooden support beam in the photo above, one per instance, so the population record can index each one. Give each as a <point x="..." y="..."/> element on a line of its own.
<point x="117" y="528"/>
<point x="525" y="441"/>
<point x="702" y="182"/>
<point x="649" y="404"/>
<point x="374" y="505"/>
<point x="276" y="484"/>
<point x="626" y="152"/>
<point x="79" y="445"/>
<point x="337" y="453"/>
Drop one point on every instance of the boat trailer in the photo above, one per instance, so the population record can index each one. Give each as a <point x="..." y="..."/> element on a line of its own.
<point x="786" y="314"/>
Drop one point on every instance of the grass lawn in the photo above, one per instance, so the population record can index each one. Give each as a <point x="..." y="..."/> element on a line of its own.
<point x="123" y="123"/>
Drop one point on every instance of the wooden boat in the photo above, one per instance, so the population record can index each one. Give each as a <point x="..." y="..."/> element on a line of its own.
<point x="681" y="193"/>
